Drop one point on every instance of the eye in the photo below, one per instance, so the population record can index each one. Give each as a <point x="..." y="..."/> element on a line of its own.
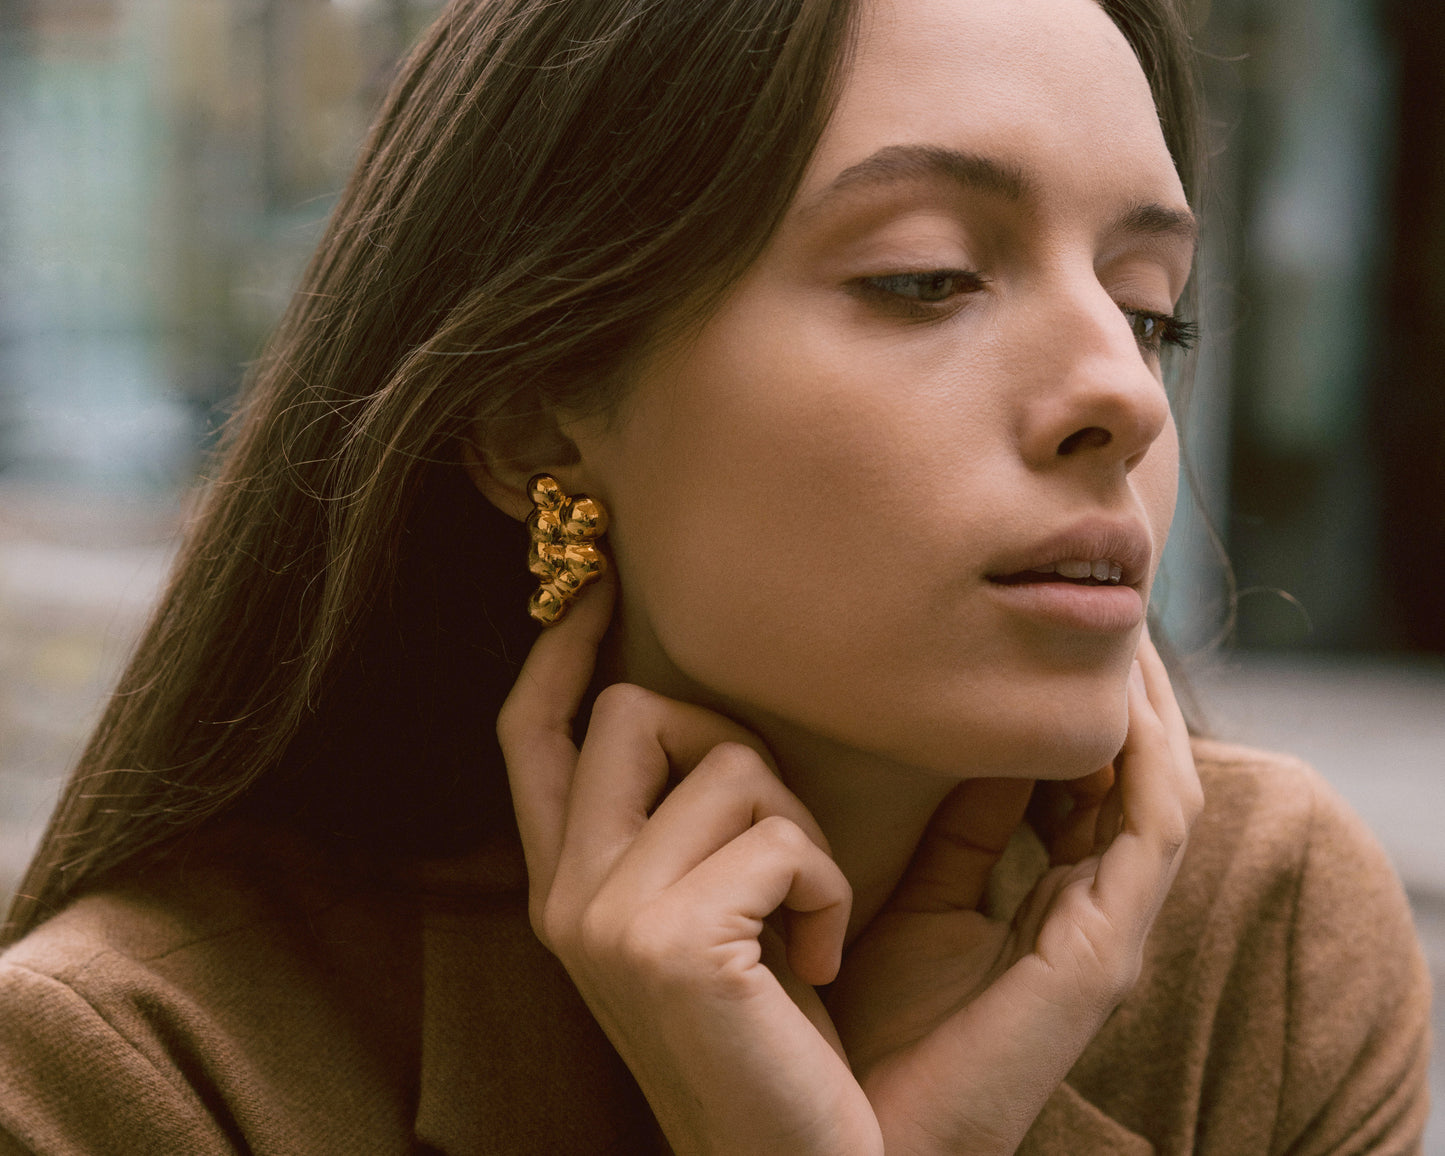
<point x="917" y="291"/>
<point x="1153" y="331"/>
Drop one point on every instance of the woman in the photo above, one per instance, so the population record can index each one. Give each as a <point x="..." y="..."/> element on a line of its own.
<point x="852" y="319"/>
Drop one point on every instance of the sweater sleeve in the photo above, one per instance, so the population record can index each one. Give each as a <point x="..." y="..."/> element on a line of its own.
<point x="72" y="1084"/>
<point x="1357" y="1015"/>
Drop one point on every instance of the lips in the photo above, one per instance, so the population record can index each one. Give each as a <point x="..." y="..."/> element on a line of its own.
<point x="1087" y="578"/>
<point x="1095" y="552"/>
<point x="1085" y="571"/>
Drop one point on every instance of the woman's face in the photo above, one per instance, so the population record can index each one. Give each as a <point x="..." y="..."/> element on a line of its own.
<point x="834" y="507"/>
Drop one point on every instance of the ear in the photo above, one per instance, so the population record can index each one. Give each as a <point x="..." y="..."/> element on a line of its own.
<point x="502" y="455"/>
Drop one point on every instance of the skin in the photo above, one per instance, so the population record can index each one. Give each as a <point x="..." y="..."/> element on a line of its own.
<point x="808" y="496"/>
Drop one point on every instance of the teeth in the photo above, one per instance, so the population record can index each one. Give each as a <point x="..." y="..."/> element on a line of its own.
<point x="1099" y="569"/>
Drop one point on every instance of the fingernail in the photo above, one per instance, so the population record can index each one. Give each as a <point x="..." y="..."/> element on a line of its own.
<point x="1136" y="675"/>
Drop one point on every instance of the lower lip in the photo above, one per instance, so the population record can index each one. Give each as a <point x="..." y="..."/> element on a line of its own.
<point x="1098" y="609"/>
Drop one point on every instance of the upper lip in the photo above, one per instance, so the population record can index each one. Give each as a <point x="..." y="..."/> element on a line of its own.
<point x="1125" y="542"/>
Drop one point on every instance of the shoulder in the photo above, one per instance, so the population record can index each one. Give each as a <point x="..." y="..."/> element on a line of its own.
<point x="1284" y="1000"/>
<point x="1355" y="1000"/>
<point x="1275" y="839"/>
<point x="1245" y="784"/>
<point x="181" y="1014"/>
<point x="1278" y="856"/>
<point x="246" y="906"/>
<point x="97" y="1032"/>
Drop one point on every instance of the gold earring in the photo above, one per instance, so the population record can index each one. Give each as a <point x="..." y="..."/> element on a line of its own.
<point x="564" y="553"/>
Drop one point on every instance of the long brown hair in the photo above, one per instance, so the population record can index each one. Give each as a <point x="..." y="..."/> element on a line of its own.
<point x="547" y="181"/>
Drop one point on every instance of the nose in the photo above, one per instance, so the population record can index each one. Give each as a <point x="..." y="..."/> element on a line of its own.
<point x="1102" y="406"/>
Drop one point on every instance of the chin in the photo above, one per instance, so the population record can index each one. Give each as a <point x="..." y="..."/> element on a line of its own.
<point x="1065" y="734"/>
<point x="1076" y="739"/>
<point x="1080" y="753"/>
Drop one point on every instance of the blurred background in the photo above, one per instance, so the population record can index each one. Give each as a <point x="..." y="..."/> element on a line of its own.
<point x="166" y="166"/>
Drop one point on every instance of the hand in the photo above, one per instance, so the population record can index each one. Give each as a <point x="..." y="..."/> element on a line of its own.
<point x="661" y="904"/>
<point x="960" y="1027"/>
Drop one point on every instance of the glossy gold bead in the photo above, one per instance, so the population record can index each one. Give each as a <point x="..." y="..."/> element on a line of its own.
<point x="585" y="518"/>
<point x="544" y="558"/>
<point x="580" y="565"/>
<point x="545" y="525"/>
<point x="563" y="553"/>
<point x="546" y="605"/>
<point x="545" y="492"/>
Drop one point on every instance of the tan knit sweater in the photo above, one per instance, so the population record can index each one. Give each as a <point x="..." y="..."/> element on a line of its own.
<point x="255" y="1003"/>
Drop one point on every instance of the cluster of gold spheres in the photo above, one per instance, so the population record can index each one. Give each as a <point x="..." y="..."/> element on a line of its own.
<point x="564" y="553"/>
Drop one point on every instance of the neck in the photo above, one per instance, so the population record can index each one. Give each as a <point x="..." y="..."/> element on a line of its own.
<point x="873" y="811"/>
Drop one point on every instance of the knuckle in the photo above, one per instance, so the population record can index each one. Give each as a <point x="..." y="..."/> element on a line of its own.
<point x="1108" y="956"/>
<point x="735" y="764"/>
<point x="783" y="835"/>
<point x="621" y="699"/>
<point x="746" y="745"/>
<point x="556" y="925"/>
<point x="648" y="944"/>
<point x="1129" y="972"/>
<point x="1118" y="969"/>
<point x="1173" y="835"/>
<point x="1122" y="978"/>
<point x="595" y="932"/>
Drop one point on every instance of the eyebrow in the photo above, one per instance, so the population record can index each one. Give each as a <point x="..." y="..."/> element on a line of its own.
<point x="985" y="174"/>
<point x="1154" y="220"/>
<point x="910" y="162"/>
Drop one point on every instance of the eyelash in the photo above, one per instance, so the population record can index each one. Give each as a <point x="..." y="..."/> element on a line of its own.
<point x="1170" y="329"/>
<point x="1173" y="331"/>
<point x="889" y="290"/>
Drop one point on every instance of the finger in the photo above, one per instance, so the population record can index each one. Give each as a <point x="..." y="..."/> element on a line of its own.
<point x="774" y="863"/>
<point x="1107" y="819"/>
<point x="963" y="842"/>
<point x="635" y="742"/>
<point x="731" y="789"/>
<point x="1137" y="868"/>
<point x="534" y="725"/>
<point x="1067" y="820"/>
<point x="1161" y="696"/>
<point x="1088" y="924"/>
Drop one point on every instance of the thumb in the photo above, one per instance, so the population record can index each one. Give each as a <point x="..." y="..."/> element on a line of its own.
<point x="964" y="839"/>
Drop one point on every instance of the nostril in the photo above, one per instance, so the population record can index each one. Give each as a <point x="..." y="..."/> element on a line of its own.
<point x="1090" y="437"/>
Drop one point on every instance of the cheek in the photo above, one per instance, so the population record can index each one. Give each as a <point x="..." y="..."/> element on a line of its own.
<point x="771" y="490"/>
<point x="733" y="537"/>
<point x="1157" y="483"/>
